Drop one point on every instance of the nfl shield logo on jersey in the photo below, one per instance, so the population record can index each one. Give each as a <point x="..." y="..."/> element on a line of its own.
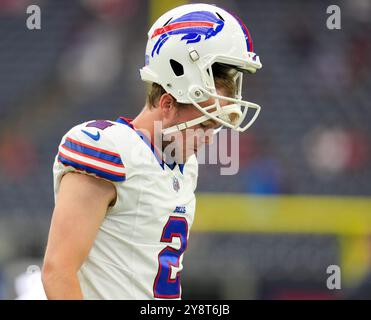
<point x="176" y="185"/>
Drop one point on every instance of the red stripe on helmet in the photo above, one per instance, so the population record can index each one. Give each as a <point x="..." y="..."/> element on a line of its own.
<point x="179" y="25"/>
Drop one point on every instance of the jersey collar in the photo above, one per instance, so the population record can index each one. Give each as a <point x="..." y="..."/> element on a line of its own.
<point x="156" y="152"/>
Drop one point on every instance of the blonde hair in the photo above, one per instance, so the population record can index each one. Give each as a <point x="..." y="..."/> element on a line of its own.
<point x="223" y="77"/>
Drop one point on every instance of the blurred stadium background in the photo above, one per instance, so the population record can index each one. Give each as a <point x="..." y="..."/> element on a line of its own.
<point x="301" y="200"/>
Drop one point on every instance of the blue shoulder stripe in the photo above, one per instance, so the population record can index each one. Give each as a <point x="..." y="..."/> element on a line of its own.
<point x="93" y="153"/>
<point x="99" y="173"/>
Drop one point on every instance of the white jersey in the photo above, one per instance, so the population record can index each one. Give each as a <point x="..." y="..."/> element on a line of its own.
<point x="139" y="248"/>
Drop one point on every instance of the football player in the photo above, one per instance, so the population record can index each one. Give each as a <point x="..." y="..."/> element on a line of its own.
<point x="124" y="205"/>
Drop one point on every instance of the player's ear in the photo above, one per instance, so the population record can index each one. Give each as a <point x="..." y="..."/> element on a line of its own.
<point x="167" y="105"/>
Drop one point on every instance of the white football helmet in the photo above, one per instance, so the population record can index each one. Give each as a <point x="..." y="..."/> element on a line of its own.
<point x="182" y="46"/>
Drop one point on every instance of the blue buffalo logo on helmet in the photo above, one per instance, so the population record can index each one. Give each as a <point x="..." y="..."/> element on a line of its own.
<point x="192" y="25"/>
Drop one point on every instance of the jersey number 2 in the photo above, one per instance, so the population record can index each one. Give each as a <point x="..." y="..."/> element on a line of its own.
<point x="166" y="286"/>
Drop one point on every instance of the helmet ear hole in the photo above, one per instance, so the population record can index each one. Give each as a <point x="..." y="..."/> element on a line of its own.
<point x="177" y="68"/>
